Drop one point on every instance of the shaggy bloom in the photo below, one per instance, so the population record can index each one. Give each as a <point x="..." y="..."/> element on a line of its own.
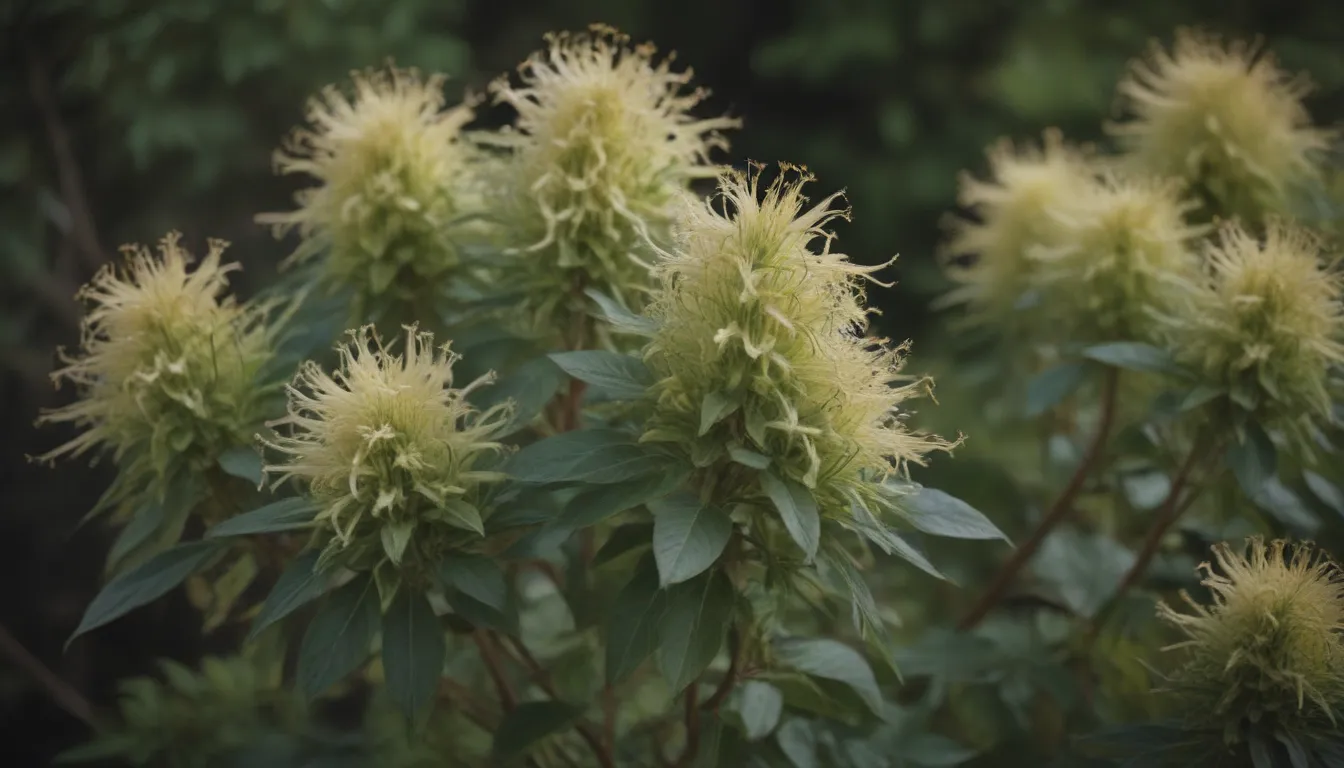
<point x="396" y="181"/>
<point x="169" y="369"/>
<point x="1265" y="324"/>
<point x="389" y="450"/>
<point x="1269" y="646"/>
<point x="760" y="346"/>
<point x="603" y="146"/>
<point x="1225" y="118"/>
<point x="1013" y="209"/>
<point x="1121" y="248"/>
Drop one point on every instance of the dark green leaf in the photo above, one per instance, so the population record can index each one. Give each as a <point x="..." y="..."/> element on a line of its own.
<point x="590" y="455"/>
<point x="242" y="461"/>
<point x="479" y="614"/>
<point x="832" y="660"/>
<point x="930" y="750"/>
<point x="904" y="550"/>
<point x="147" y="582"/>
<point x="690" y="631"/>
<point x="622" y="540"/>
<point x="155" y="516"/>
<point x="283" y="515"/>
<point x="1132" y="356"/>
<point x="338" y="639"/>
<point x="478" y="577"/>
<point x="1326" y="491"/>
<point x="619" y="377"/>
<point x="714" y="408"/>
<point x="1084" y="568"/>
<point x="798" y="509"/>
<point x="1253" y="459"/>
<point x="688" y="536"/>
<point x="867" y="620"/>
<point x="635" y="614"/>
<point x="748" y="458"/>
<point x="1051" y="386"/>
<point x="760" y="705"/>
<point x="532" y="721"/>
<point x="798" y="742"/>
<point x="593" y="505"/>
<point x="413" y="651"/>
<point x="297" y="586"/>
<point x="530" y="386"/>
<point x="1297" y="754"/>
<point x="938" y="513"/>
<point x="711" y="733"/>
<point x="1280" y="501"/>
<point x="622" y="319"/>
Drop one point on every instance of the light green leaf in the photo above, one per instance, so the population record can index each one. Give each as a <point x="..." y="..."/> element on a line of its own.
<point x="715" y="408"/>
<point x="760" y="705"/>
<point x="1051" y="386"/>
<point x="798" y="743"/>
<point x="868" y="620"/>
<point x="460" y="514"/>
<point x="748" y="458"/>
<point x="832" y="660"/>
<point x="622" y="320"/>
<point x="690" y="631"/>
<point x="338" y="639"/>
<point x="298" y="585"/>
<point x="688" y="536"/>
<point x="931" y="750"/>
<point x="1133" y="356"/>
<point x="242" y="461"/>
<point x="902" y="549"/>
<point x="284" y="515"/>
<point x="619" y="377"/>
<point x="478" y="577"/>
<point x="798" y="509"/>
<point x="413" y="651"/>
<point x="395" y="538"/>
<point x="635" y="614"/>
<point x="529" y="723"/>
<point x="593" y="505"/>
<point x="589" y="455"/>
<point x="147" y="582"/>
<point x="940" y="514"/>
<point x="1326" y="491"/>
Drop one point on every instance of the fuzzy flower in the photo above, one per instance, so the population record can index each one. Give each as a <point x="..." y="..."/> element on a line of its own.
<point x="1225" y="118"/>
<point x="760" y="346"/>
<point x="603" y="146"/>
<point x="1268" y="647"/>
<point x="395" y="184"/>
<point x="1121" y="249"/>
<point x="389" y="450"/>
<point x="168" y="373"/>
<point x="1013" y="216"/>
<point x="1265" y="324"/>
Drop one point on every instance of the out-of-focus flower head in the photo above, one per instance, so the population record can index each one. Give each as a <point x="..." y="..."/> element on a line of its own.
<point x="603" y="147"/>
<point x="1225" y="118"/>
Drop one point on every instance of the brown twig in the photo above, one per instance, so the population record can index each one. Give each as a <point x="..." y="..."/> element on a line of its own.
<point x="609" y="716"/>
<point x="492" y="664"/>
<point x="59" y="691"/>
<point x="603" y="752"/>
<point x="1057" y="513"/>
<point x="692" y="716"/>
<point x="730" y="676"/>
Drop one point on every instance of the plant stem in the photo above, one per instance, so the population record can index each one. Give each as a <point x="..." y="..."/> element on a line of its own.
<point x="692" y="717"/>
<point x="1057" y="513"/>
<point x="492" y="664"/>
<point x="729" y="677"/>
<point x="603" y="751"/>
<point x="59" y="691"/>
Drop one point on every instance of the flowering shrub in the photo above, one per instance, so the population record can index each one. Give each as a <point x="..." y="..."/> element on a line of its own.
<point x="650" y="491"/>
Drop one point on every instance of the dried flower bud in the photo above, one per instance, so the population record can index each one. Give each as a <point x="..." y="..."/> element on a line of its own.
<point x="396" y="182"/>
<point x="603" y="147"/>
<point x="390" y="450"/>
<point x="761" y="346"/>
<point x="169" y="369"/>
<point x="1225" y="118"/>
<point x="1269" y="646"/>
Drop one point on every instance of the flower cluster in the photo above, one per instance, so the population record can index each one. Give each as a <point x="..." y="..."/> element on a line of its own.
<point x="1269" y="646"/>
<point x="397" y="188"/>
<point x="170" y="364"/>
<point x="761" y="347"/>
<point x="603" y="147"/>
<point x="390" y="451"/>
<point x="1225" y="118"/>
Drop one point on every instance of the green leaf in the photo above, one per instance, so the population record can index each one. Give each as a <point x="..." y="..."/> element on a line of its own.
<point x="1084" y="568"/>
<point x="622" y="540"/>
<point x="931" y="750"/>
<point x="1280" y="501"/>
<point x="460" y="514"/>
<point x="619" y="377"/>
<point x="867" y="619"/>
<point x="935" y="512"/>
<point x="396" y="536"/>
<point x="691" y="630"/>
<point x="748" y="458"/>
<point x="715" y="408"/>
<point x="1326" y="491"/>
<point x="622" y="320"/>
<point x="760" y="705"/>
<point x="635" y="614"/>
<point x="529" y="723"/>
<point x="478" y="614"/>
<point x="589" y="455"/>
<point x="1133" y="356"/>
<point x="1199" y="395"/>
<point x="903" y="549"/>
<point x="338" y="639"/>
<point x="413" y="651"/>
<point x="156" y="517"/>
<point x="832" y="660"/>
<point x="530" y="386"/>
<point x="798" y="743"/>
<point x="300" y="584"/>
<point x="593" y="505"/>
<point x="1252" y="460"/>
<point x="242" y="461"/>
<point x="1051" y="386"/>
<point x="146" y="583"/>
<point x="284" y="515"/>
<point x="688" y="536"/>
<point x="477" y="577"/>
<point x="798" y="509"/>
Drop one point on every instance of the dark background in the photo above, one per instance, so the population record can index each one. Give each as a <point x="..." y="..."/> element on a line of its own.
<point x="121" y="119"/>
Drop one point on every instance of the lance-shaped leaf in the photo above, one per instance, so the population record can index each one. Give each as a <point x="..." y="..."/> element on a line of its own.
<point x="798" y="509"/>
<point x="589" y="455"/>
<point x="413" y="651"/>
<point x="283" y="515"/>
<point x="688" y="536"/>
<point x="338" y="639"/>
<point x="300" y="584"/>
<point x="619" y="377"/>
<point x="147" y="582"/>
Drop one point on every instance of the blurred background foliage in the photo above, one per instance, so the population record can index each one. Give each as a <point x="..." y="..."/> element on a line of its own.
<point x="125" y="118"/>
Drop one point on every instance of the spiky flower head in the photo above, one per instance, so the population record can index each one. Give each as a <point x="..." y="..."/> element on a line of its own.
<point x="1119" y="251"/>
<point x="1224" y="117"/>
<point x="761" y="346"/>
<point x="1268" y="648"/>
<point x="603" y="146"/>
<point x="390" y="451"/>
<point x="169" y="367"/>
<point x="1264" y="323"/>
<point x="397" y="187"/>
<point x="1013" y="210"/>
